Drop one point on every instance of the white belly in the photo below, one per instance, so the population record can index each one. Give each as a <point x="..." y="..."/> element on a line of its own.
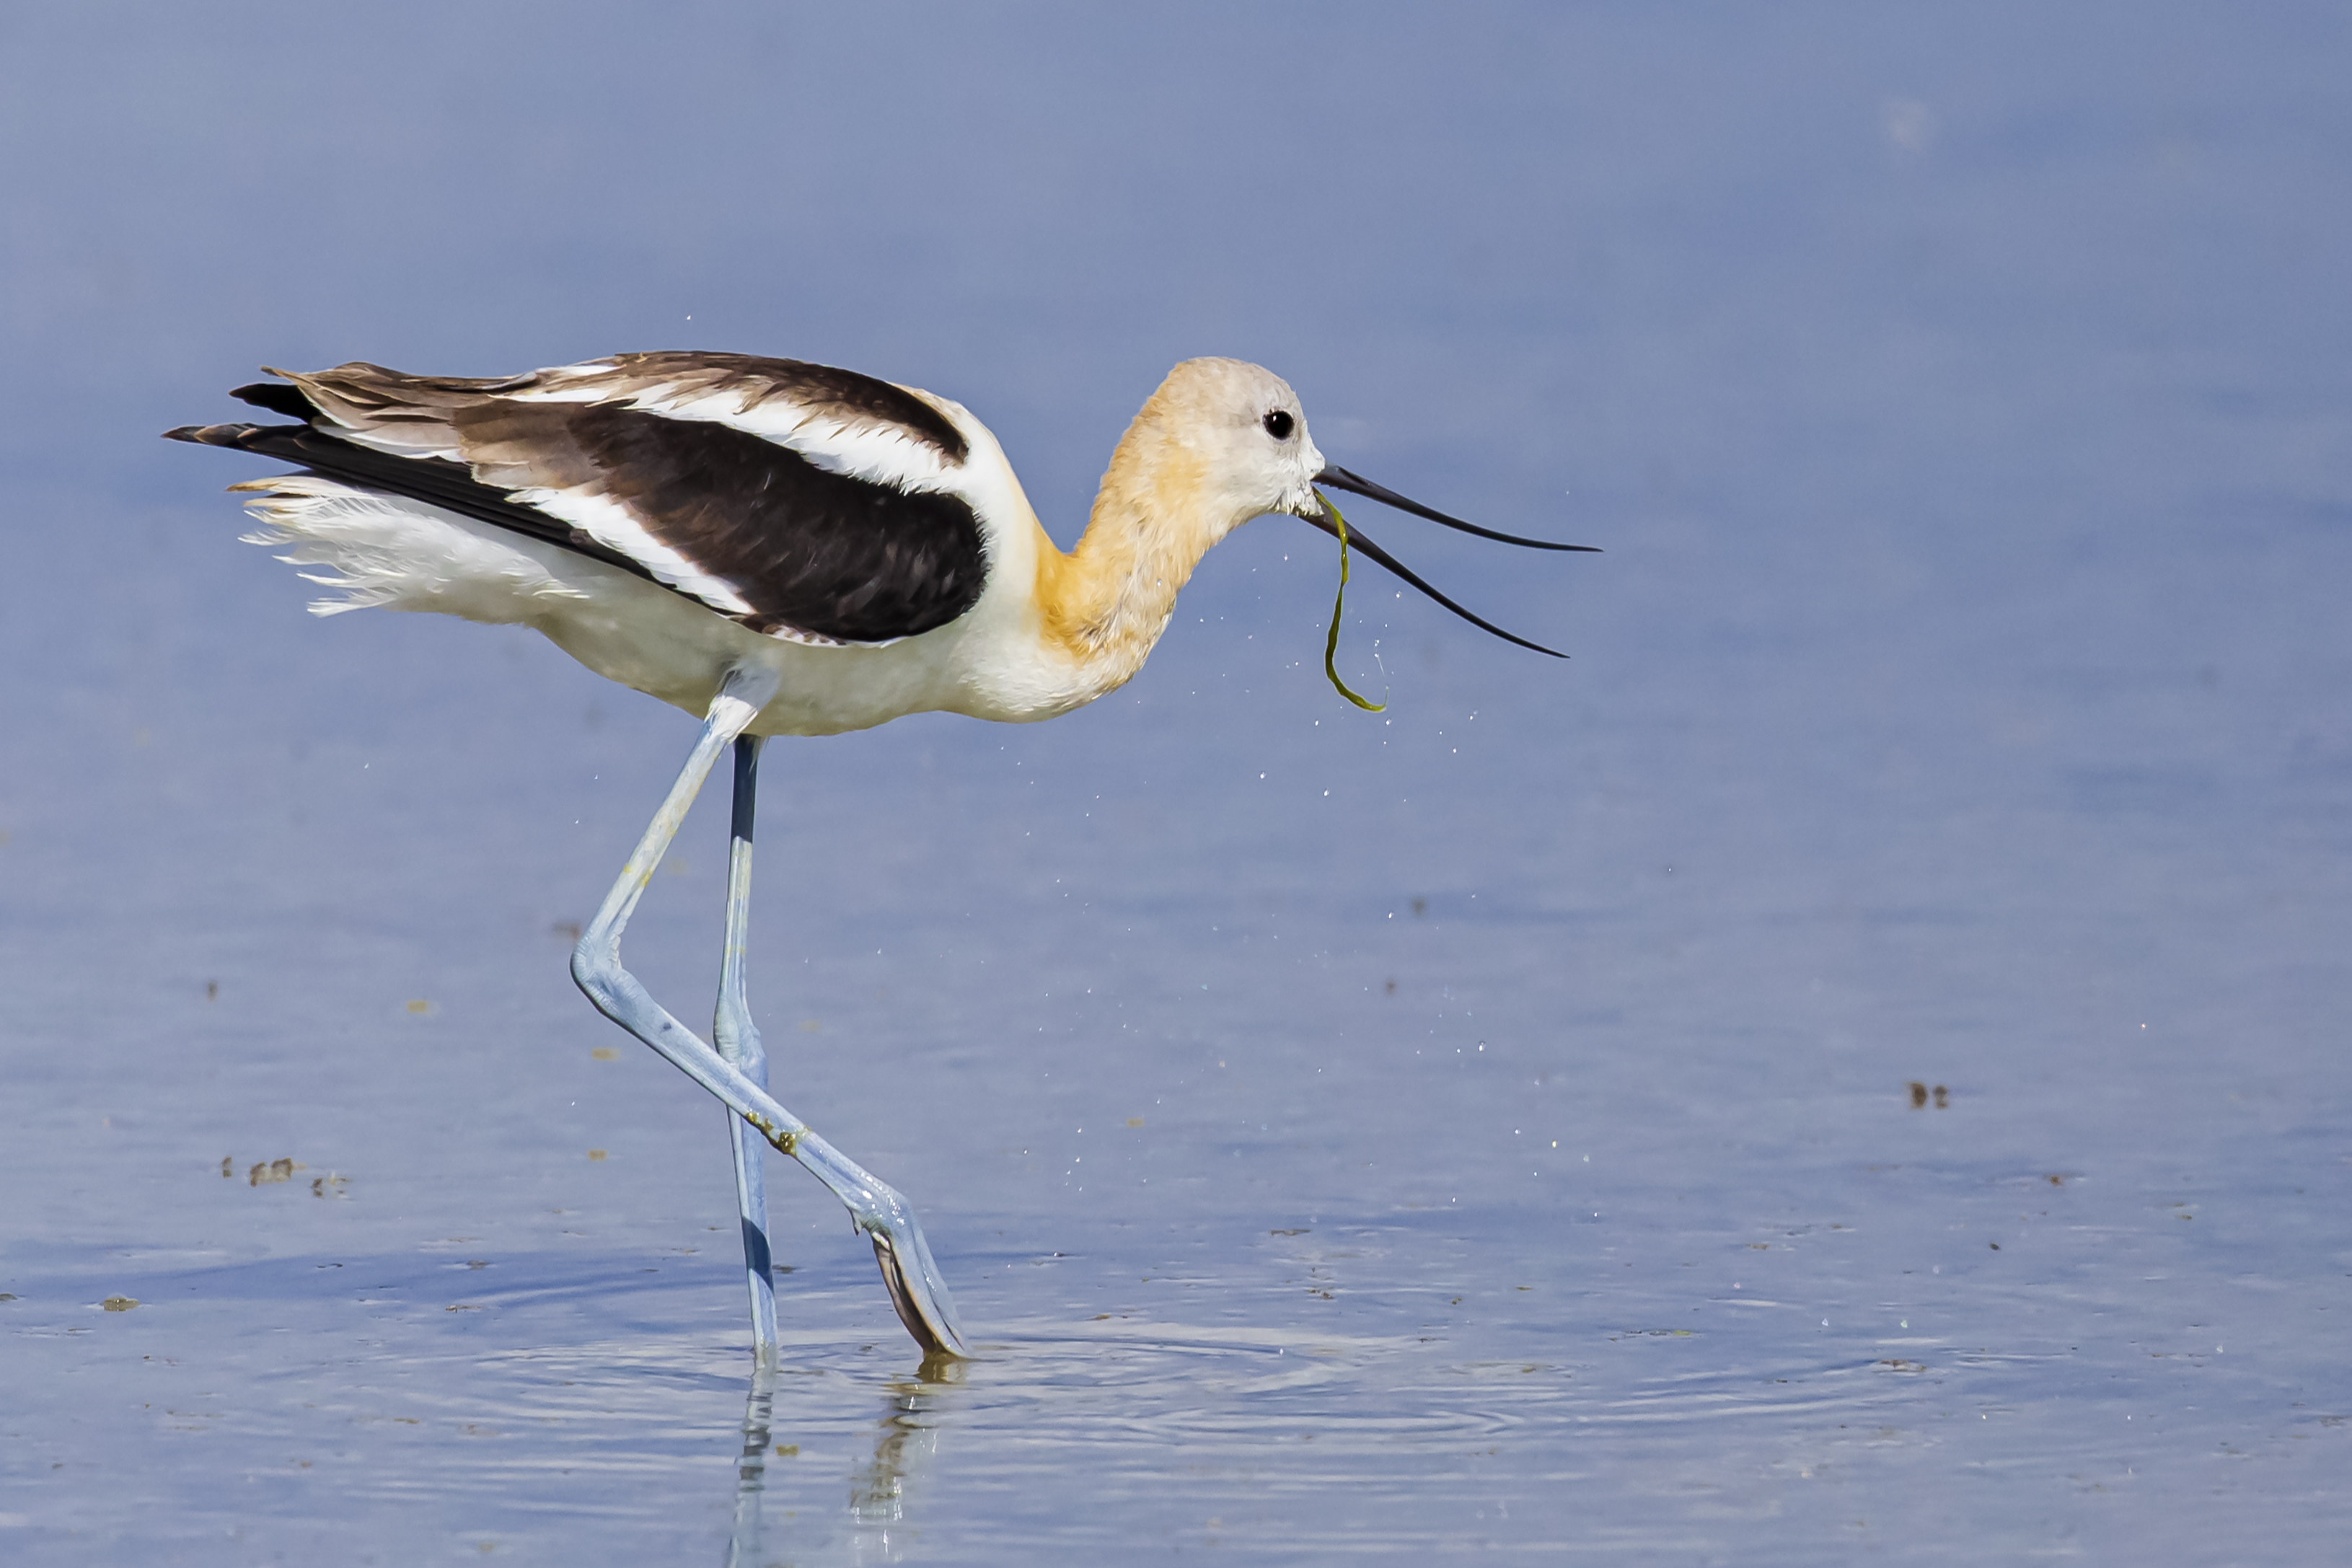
<point x="402" y="554"/>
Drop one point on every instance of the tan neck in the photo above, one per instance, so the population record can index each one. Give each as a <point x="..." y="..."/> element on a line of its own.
<point x="1106" y="602"/>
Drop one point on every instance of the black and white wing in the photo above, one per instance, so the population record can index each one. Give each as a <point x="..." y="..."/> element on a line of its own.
<point x="806" y="502"/>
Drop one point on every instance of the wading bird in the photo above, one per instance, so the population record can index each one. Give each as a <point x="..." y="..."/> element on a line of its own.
<point x="780" y="549"/>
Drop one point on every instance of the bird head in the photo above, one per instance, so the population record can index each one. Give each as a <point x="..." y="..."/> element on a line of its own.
<point x="1243" y="435"/>
<point x="1232" y="438"/>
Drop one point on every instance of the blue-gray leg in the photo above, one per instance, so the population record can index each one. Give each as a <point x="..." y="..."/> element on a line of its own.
<point x="738" y="1039"/>
<point x="916" y="1288"/>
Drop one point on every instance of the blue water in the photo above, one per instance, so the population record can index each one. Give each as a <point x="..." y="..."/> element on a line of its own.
<point x="1487" y="1124"/>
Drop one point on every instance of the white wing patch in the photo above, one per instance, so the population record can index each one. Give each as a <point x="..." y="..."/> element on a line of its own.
<point x="878" y="453"/>
<point x="613" y="526"/>
<point x="875" y="450"/>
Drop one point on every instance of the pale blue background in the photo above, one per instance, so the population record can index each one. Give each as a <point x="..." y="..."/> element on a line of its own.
<point x="1961" y="396"/>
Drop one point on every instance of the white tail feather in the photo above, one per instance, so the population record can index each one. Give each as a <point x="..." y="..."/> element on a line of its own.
<point x="402" y="554"/>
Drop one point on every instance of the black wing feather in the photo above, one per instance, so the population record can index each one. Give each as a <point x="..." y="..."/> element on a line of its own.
<point x="436" y="481"/>
<point x="807" y="549"/>
<point x="278" y="398"/>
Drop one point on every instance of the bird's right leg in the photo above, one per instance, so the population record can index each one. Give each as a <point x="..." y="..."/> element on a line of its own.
<point x="875" y="1208"/>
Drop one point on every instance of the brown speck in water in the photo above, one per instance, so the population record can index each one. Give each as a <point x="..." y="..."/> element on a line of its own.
<point x="1994" y="1244"/>
<point x="1918" y="1095"/>
<point x="226" y="1162"/>
<point x="212" y="990"/>
<point x="419" y="1005"/>
<point x="568" y="930"/>
<point x="787" y="1450"/>
<point x="1391" y="987"/>
<point x="596" y="1154"/>
<point x="1420" y="907"/>
<point x="604" y="1054"/>
<point x="810" y="1025"/>
<point x="1300" y="1231"/>
<point x="2055" y="1181"/>
<point x="267" y="1171"/>
<point x="1943" y="1097"/>
<point x="120" y="1303"/>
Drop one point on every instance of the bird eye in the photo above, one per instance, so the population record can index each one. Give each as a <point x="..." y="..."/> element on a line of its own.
<point x="1277" y="423"/>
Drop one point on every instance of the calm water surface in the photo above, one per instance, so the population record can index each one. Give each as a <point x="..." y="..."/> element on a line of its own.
<point x="1852" y="1065"/>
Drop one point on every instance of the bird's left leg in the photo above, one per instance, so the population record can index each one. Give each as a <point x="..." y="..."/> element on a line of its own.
<point x="875" y="1208"/>
<point x="738" y="1039"/>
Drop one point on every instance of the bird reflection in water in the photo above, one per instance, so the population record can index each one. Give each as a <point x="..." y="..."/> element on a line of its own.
<point x="751" y="1472"/>
<point x="905" y="1438"/>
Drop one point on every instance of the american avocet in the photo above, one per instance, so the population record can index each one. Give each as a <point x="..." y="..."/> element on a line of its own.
<point x="781" y="549"/>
